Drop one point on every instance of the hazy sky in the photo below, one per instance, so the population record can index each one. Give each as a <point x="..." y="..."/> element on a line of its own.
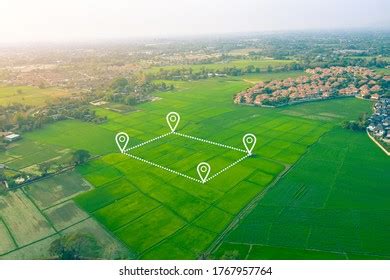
<point x="83" y="20"/>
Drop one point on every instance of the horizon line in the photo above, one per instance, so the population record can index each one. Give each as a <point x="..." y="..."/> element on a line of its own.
<point x="148" y="38"/>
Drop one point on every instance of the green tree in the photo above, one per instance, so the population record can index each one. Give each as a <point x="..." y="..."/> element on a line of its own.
<point x="119" y="84"/>
<point x="363" y="121"/>
<point x="44" y="167"/>
<point x="75" y="246"/>
<point x="80" y="156"/>
<point x="2" y="175"/>
<point x="131" y="100"/>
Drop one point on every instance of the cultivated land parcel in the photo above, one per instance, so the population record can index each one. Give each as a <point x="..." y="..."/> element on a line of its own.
<point x="155" y="214"/>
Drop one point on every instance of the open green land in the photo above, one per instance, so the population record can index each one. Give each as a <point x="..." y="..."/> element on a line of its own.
<point x="155" y="212"/>
<point x="334" y="203"/>
<point x="242" y="63"/>
<point x="29" y="95"/>
<point x="159" y="215"/>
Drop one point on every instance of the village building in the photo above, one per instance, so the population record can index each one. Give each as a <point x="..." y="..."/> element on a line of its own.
<point x="12" y="137"/>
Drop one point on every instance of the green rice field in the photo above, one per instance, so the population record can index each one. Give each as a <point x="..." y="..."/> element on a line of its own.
<point x="333" y="204"/>
<point x="156" y="214"/>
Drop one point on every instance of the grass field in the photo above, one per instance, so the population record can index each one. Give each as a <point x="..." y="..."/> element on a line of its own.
<point x="29" y="95"/>
<point x="334" y="203"/>
<point x="262" y="64"/>
<point x="159" y="215"/>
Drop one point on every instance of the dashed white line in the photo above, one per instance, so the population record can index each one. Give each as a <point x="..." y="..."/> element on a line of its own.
<point x="163" y="167"/>
<point x="190" y="137"/>
<point x="227" y="167"/>
<point x="210" y="142"/>
<point x="147" y="142"/>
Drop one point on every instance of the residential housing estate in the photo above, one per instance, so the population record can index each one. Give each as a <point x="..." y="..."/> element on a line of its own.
<point x="320" y="83"/>
<point x="379" y="122"/>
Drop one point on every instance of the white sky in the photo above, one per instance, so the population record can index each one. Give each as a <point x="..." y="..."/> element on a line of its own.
<point x="83" y="20"/>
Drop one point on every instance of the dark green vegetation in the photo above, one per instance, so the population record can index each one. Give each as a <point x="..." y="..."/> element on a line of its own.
<point x="333" y="204"/>
<point x="358" y="125"/>
<point x="75" y="246"/>
<point x="80" y="156"/>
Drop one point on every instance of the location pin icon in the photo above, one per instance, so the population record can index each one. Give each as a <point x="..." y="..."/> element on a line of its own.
<point x="249" y="141"/>
<point x="173" y="120"/>
<point x="203" y="171"/>
<point x="122" y="139"/>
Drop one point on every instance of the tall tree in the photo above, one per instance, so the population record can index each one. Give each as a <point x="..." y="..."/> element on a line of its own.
<point x="80" y="156"/>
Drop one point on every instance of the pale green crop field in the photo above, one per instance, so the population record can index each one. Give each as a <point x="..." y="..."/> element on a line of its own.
<point x="29" y="95"/>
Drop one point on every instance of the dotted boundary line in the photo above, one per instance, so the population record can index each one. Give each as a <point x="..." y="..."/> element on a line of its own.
<point x="227" y="167"/>
<point x="163" y="167"/>
<point x="210" y="142"/>
<point x="147" y="142"/>
<point x="190" y="137"/>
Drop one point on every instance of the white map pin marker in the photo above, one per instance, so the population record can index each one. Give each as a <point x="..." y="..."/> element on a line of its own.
<point x="173" y="120"/>
<point x="122" y="139"/>
<point x="249" y="141"/>
<point x="203" y="171"/>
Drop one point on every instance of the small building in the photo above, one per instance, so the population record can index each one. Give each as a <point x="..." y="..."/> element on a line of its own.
<point x="375" y="96"/>
<point x="12" y="137"/>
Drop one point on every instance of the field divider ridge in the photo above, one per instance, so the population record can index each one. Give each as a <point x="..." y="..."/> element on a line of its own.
<point x="163" y="167"/>
<point x="209" y="142"/>
<point x="147" y="142"/>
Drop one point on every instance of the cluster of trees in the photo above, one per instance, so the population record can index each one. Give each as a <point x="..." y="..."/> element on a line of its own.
<point x="276" y="102"/>
<point x="80" y="157"/>
<point x="72" y="109"/>
<point x="133" y="91"/>
<point x="75" y="246"/>
<point x="341" y="60"/>
<point x="26" y="118"/>
<point x="11" y="114"/>
<point x="359" y="125"/>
